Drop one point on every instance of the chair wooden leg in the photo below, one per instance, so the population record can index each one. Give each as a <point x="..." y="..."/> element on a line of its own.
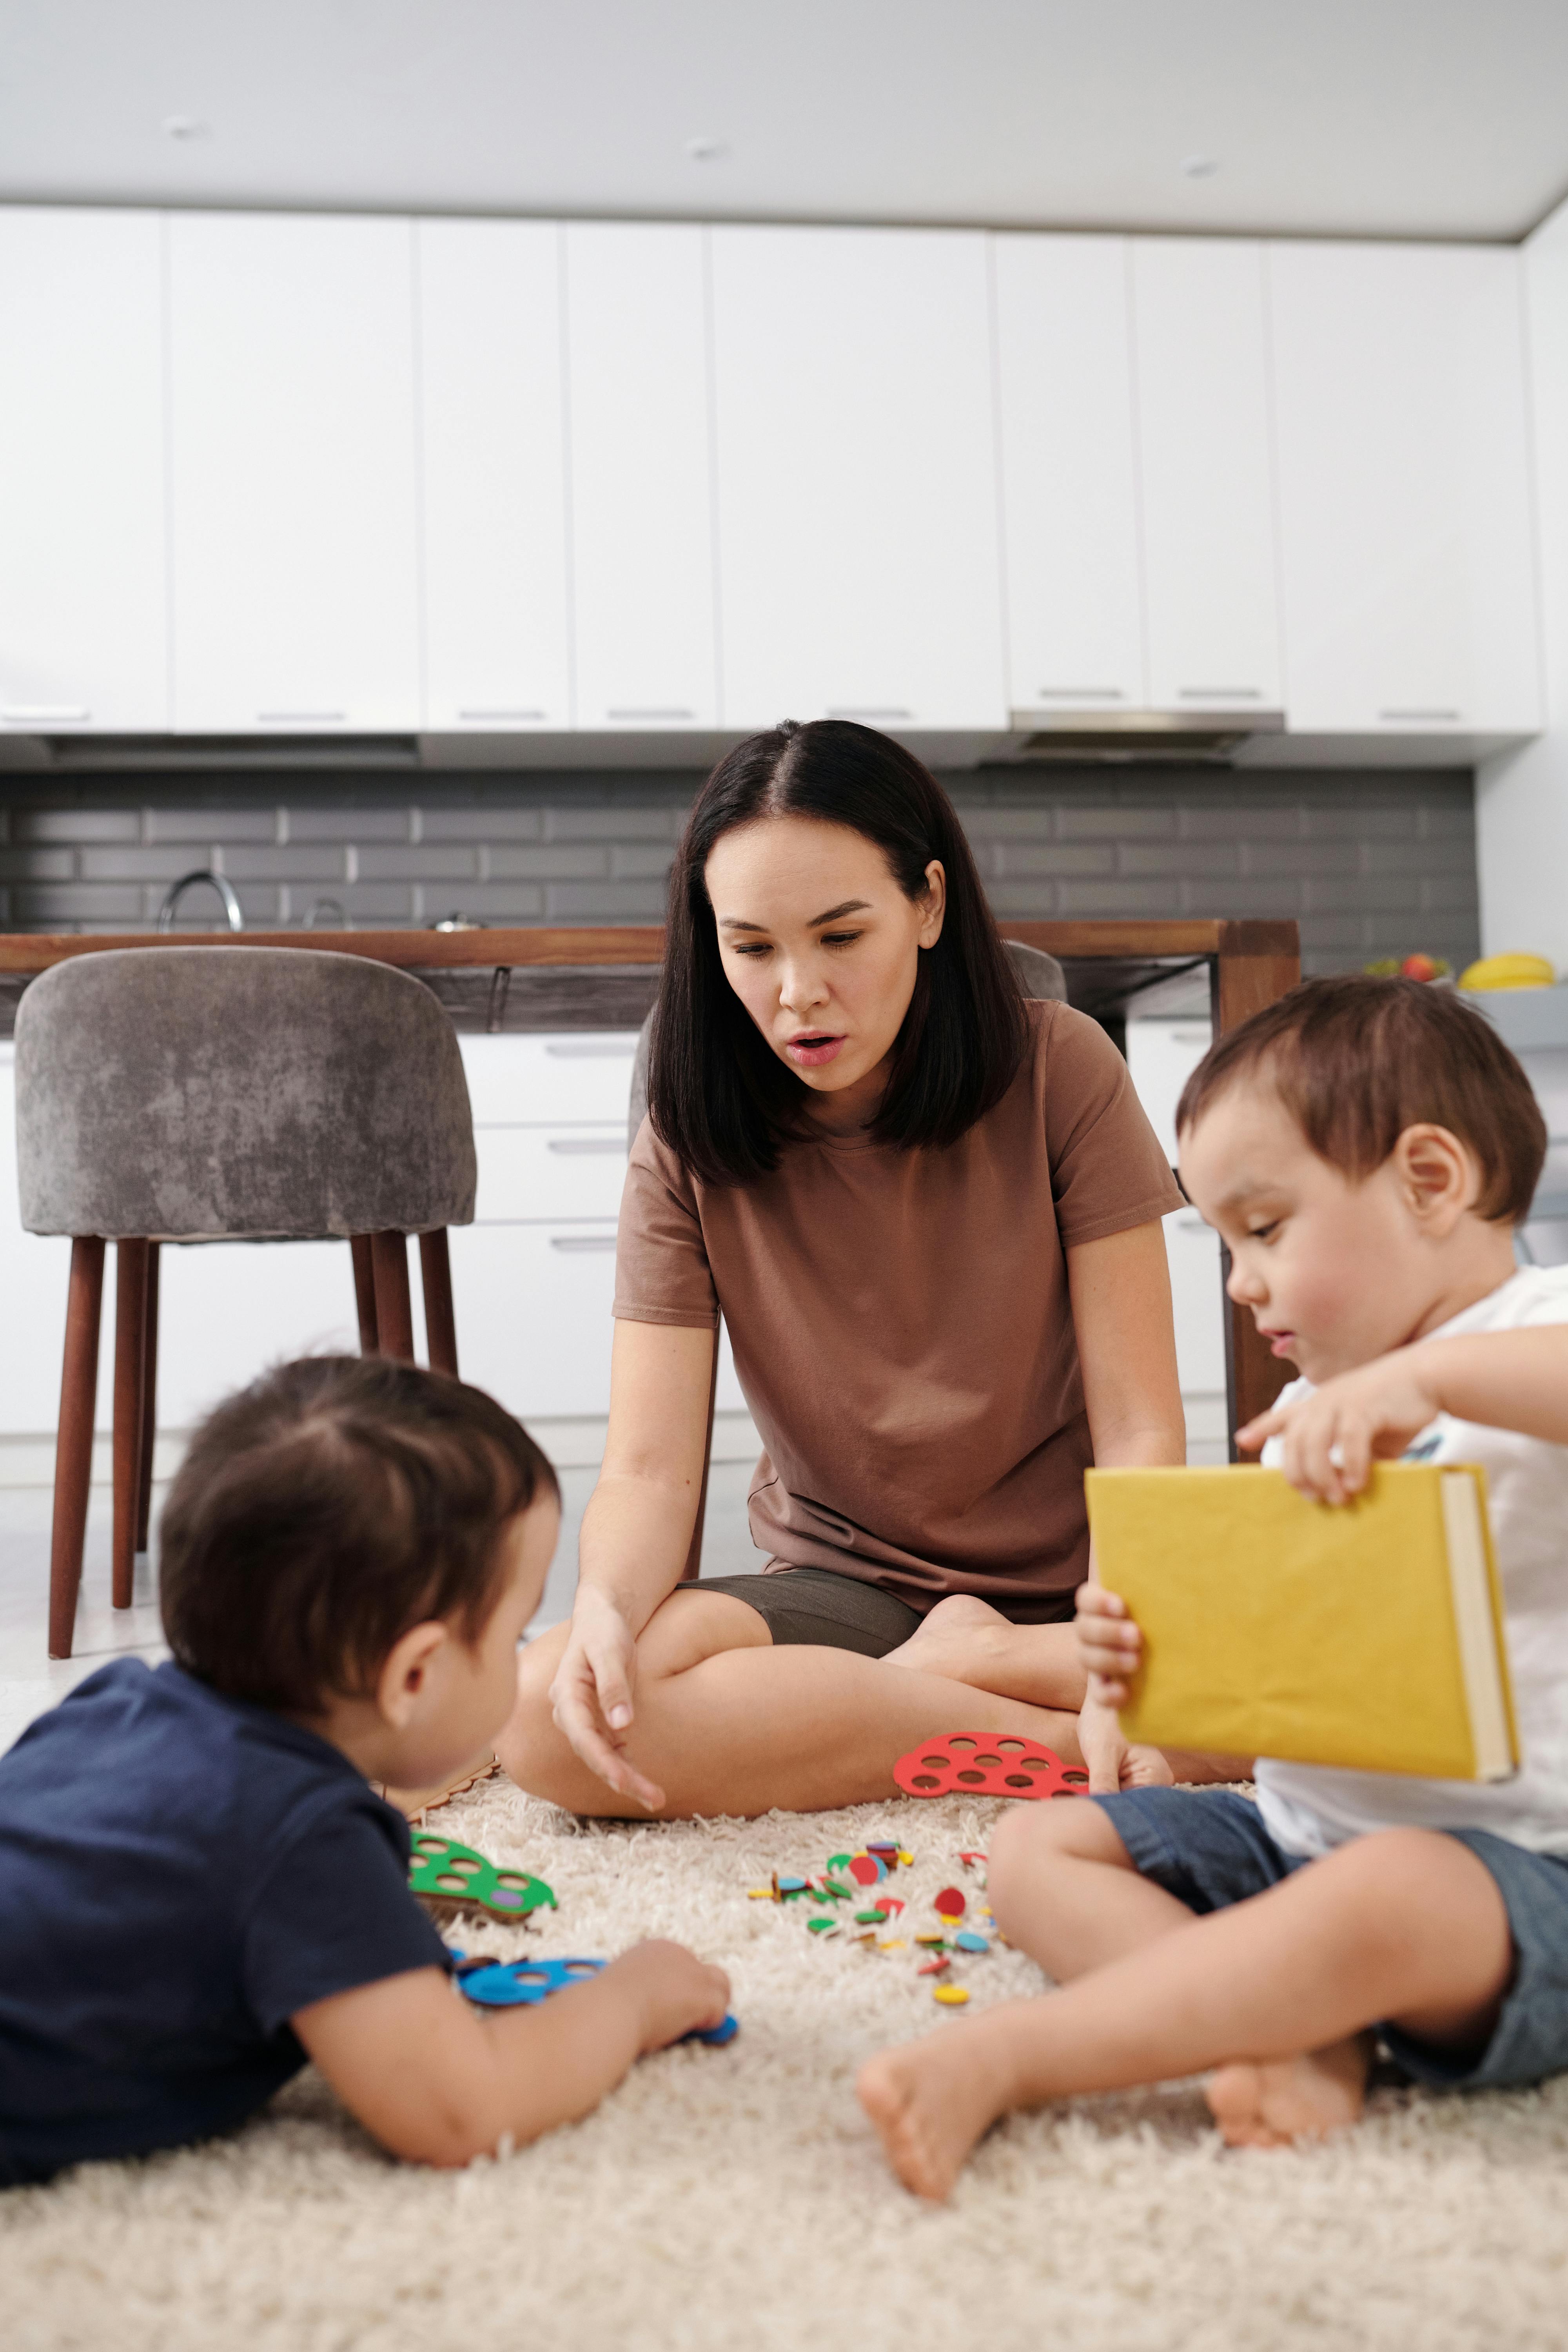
<point x="394" y="1308"/>
<point x="149" y="1401"/>
<point x="440" y="1321"/>
<point x="130" y="1360"/>
<point x="693" y="1568"/>
<point x="364" y="1294"/>
<point x="73" y="1444"/>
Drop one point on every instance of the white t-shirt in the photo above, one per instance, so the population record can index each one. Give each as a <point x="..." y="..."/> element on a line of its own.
<point x="1310" y="1808"/>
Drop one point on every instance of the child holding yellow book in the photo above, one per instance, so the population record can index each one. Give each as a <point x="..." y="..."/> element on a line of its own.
<point x="1365" y="1149"/>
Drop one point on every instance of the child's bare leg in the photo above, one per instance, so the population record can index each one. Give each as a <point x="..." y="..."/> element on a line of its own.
<point x="726" y="1723"/>
<point x="1063" y="1889"/>
<point x="1407" y="1926"/>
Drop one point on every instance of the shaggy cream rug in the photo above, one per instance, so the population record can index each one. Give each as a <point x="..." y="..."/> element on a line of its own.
<point x="736" y="2198"/>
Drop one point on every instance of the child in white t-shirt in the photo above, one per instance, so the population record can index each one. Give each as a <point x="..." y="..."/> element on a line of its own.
<point x="1365" y="1149"/>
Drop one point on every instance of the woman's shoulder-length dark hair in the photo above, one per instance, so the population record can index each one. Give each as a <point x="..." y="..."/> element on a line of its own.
<point x="718" y="1095"/>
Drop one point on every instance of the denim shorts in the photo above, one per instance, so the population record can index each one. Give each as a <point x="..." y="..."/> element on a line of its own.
<point x="1209" y="1848"/>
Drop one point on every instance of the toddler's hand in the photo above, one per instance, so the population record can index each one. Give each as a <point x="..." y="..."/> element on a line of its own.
<point x="1108" y="1645"/>
<point x="1331" y="1437"/>
<point x="677" y="1992"/>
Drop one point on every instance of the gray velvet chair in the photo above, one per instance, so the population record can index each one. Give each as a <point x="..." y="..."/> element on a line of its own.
<point x="222" y="1094"/>
<point x="1040" y="980"/>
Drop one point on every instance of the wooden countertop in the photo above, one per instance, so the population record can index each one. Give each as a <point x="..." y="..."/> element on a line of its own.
<point x="638" y="943"/>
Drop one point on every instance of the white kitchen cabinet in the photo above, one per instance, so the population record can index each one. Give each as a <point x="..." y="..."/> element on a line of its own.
<point x="641" y="466"/>
<point x="1068" y="472"/>
<point x="493" y="476"/>
<point x="83" y="579"/>
<point x="859" y="561"/>
<point x="296" y="603"/>
<point x="1404" y="489"/>
<point x="1206" y="474"/>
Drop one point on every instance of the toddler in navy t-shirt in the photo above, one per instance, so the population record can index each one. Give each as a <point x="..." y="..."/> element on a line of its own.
<point x="201" y="1889"/>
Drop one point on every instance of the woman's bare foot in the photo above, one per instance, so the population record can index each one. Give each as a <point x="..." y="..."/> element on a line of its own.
<point x="1278" y="2101"/>
<point x="951" y="1637"/>
<point x="931" y="2102"/>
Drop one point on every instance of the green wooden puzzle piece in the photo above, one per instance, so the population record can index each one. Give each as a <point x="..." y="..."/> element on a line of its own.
<point x="455" y="1877"/>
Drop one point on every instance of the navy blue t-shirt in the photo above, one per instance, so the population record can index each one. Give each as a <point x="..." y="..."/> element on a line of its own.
<point x="179" y="1874"/>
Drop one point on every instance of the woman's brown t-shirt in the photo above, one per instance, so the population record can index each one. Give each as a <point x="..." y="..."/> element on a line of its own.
<point x="902" y="1326"/>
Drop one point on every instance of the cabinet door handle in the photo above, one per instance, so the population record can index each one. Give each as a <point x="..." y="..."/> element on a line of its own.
<point x="574" y="1143"/>
<point x="593" y="1049"/>
<point x="301" y="718"/>
<point x="671" y="713"/>
<point x="1220" y="694"/>
<point x="471" y="716"/>
<point x="38" y="714"/>
<point x="868" y="710"/>
<point x="1079" y="694"/>
<point x="1445" y="717"/>
<point x="578" y="1242"/>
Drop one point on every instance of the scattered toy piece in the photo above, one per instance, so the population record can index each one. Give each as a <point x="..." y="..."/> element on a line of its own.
<point x="973" y="1763"/>
<point x="839" y="1860"/>
<point x="935" y="1968"/>
<point x="950" y="1903"/>
<point x="892" y="1944"/>
<point x="938" y="1938"/>
<point x="967" y="1941"/>
<point x="906" y="1859"/>
<point x="819" y="1926"/>
<point x="762" y="1894"/>
<point x="450" y="1878"/>
<point x="969" y="1859"/>
<point x="955" y="1995"/>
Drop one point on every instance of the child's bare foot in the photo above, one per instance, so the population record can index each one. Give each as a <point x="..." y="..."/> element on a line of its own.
<point x="1281" y="2100"/>
<point x="931" y="2100"/>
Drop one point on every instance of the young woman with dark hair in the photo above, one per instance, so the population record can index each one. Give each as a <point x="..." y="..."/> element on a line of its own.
<point x="929" y="1213"/>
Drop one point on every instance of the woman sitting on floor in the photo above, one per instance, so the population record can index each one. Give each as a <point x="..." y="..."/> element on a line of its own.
<point x="929" y="1213"/>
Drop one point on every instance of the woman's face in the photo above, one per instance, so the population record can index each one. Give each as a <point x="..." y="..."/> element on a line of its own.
<point x="821" y="946"/>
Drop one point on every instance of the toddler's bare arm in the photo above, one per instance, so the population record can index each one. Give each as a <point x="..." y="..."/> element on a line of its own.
<point x="438" y="2083"/>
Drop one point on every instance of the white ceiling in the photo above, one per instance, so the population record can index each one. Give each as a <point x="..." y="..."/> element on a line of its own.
<point x="1442" y="118"/>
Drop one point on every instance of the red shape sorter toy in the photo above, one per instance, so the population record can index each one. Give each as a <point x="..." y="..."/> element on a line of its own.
<point x="973" y="1763"/>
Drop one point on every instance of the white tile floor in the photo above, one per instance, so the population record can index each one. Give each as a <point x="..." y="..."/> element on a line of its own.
<point x="31" y="1681"/>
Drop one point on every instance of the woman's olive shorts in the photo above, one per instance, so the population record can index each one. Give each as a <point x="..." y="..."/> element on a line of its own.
<point x="843" y="1612"/>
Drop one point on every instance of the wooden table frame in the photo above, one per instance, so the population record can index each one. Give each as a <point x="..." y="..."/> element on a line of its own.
<point x="1108" y="965"/>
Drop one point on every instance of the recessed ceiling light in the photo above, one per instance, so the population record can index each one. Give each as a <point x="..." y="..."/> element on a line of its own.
<point x="1199" y="167"/>
<point x="706" y="150"/>
<point x="185" y="126"/>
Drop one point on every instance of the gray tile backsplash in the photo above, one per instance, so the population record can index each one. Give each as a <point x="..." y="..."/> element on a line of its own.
<point x="1369" y="863"/>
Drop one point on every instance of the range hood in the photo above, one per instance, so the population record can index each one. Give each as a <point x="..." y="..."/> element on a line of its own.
<point x="1124" y="735"/>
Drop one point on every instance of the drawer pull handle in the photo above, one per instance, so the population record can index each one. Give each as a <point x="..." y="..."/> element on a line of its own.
<point x="595" y="1049"/>
<point x="576" y="1242"/>
<point x="574" y="1143"/>
<point x="1439" y="717"/>
<point x="39" y="714"/>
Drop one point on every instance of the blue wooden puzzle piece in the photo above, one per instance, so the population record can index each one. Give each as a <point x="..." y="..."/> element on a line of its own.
<point x="517" y="1984"/>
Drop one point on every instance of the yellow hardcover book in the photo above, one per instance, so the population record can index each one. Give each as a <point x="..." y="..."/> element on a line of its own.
<point x="1367" y="1634"/>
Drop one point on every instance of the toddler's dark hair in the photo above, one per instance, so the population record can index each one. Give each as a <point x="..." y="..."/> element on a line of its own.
<point x="1355" y="1061"/>
<point x="325" y="1509"/>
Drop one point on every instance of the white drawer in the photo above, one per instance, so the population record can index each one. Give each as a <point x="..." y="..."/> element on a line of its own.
<point x="1197" y="1302"/>
<point x="532" y="1305"/>
<point x="539" y="1081"/>
<point x="1546" y="1066"/>
<point x="550" y="1172"/>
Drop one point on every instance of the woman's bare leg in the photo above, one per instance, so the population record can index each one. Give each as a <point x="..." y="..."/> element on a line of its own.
<point x="965" y="1640"/>
<point x="728" y="1723"/>
<point x="1405" y="1925"/>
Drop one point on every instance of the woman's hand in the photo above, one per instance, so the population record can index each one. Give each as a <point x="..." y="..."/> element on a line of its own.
<point x="593" y="1696"/>
<point x="1333" y="1437"/>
